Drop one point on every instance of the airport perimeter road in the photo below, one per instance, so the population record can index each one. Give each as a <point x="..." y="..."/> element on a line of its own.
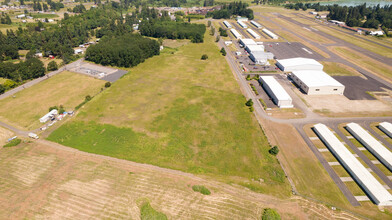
<point x="35" y="81"/>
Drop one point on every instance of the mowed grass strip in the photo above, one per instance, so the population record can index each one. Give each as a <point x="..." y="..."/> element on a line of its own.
<point x="25" y="108"/>
<point x="181" y="112"/>
<point x="365" y="62"/>
<point x="339" y="69"/>
<point x="375" y="48"/>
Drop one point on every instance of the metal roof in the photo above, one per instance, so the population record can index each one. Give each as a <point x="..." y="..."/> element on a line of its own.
<point x="386" y="127"/>
<point x="375" y="190"/>
<point x="256" y="24"/>
<point x="314" y="78"/>
<point x="235" y="33"/>
<point x="253" y="48"/>
<point x="248" y="41"/>
<point x="373" y="145"/>
<point x="253" y="33"/>
<point x="279" y="92"/>
<point x="298" y="61"/>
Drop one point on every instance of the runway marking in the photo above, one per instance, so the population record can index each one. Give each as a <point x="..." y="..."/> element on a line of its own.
<point x="306" y="28"/>
<point x="309" y="52"/>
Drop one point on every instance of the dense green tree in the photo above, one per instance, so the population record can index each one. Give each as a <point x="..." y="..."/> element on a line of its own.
<point x="270" y="214"/>
<point x="52" y="66"/>
<point x="274" y="150"/>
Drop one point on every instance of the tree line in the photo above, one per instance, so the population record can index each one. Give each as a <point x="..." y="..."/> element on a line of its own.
<point x="126" y="50"/>
<point x="233" y="8"/>
<point x="358" y="16"/>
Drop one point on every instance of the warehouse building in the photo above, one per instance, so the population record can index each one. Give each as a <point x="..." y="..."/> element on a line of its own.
<point x="261" y="57"/>
<point x="314" y="82"/>
<point x="386" y="127"/>
<point x="239" y="18"/>
<point x="376" y="192"/>
<point x="227" y="24"/>
<point x="242" y="24"/>
<point x="247" y="41"/>
<point x="256" y="24"/>
<point x="299" y="63"/>
<point x="254" y="48"/>
<point x="253" y="33"/>
<point x="270" y="34"/>
<point x="371" y="144"/>
<point x="277" y="93"/>
<point x="235" y="33"/>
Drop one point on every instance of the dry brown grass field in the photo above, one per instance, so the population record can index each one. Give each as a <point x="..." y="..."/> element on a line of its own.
<point x="26" y="107"/>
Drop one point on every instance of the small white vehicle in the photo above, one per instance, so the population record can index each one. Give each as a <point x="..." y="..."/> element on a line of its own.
<point x="32" y="135"/>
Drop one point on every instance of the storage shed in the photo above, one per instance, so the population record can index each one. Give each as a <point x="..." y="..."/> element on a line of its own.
<point x="242" y="24"/>
<point x="270" y="34"/>
<point x="299" y="63"/>
<point x="373" y="188"/>
<point x="254" y="48"/>
<point x="227" y="24"/>
<point x="253" y="33"/>
<point x="386" y="127"/>
<point x="247" y="41"/>
<point x="235" y="33"/>
<point x="256" y="24"/>
<point x="261" y="58"/>
<point x="314" y="82"/>
<point x="277" y="93"/>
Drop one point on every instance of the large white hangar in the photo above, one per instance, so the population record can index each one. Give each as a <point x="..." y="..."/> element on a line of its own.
<point x="277" y="93"/>
<point x="316" y="82"/>
<point x="299" y="63"/>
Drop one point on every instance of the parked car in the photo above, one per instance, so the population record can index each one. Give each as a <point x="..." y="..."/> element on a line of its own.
<point x="33" y="135"/>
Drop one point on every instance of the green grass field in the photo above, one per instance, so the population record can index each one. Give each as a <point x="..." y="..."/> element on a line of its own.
<point x="338" y="69"/>
<point x="44" y="15"/>
<point x="181" y="112"/>
<point x="27" y="106"/>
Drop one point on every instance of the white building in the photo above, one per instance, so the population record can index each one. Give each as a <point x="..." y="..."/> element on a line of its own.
<point x="78" y="51"/>
<point x="247" y="41"/>
<point x="242" y="24"/>
<point x="239" y="18"/>
<point x="227" y="24"/>
<point x="386" y="127"/>
<point x="235" y="33"/>
<point x="277" y="93"/>
<point x="261" y="58"/>
<point x="256" y="24"/>
<point x="371" y="144"/>
<point x="299" y="63"/>
<point x="49" y="115"/>
<point x="253" y="33"/>
<point x="374" y="189"/>
<point x="376" y="33"/>
<point x="254" y="48"/>
<point x="270" y="34"/>
<point x="314" y="82"/>
<point x="21" y="16"/>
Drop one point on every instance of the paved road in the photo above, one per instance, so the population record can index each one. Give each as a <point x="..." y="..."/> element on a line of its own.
<point x="35" y="81"/>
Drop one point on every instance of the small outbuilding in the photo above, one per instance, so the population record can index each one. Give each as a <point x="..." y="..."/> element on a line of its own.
<point x="247" y="41"/>
<point x="277" y="93"/>
<point x="254" y="48"/>
<point x="314" y="82"/>
<point x="261" y="57"/>
<point x="299" y="63"/>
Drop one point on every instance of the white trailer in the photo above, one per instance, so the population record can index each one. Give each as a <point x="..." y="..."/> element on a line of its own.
<point x="253" y="33"/>
<point x="33" y="135"/>
<point x="49" y="115"/>
<point x="242" y="24"/>
<point x="227" y="24"/>
<point x="235" y="33"/>
<point x="270" y="34"/>
<point x="256" y="24"/>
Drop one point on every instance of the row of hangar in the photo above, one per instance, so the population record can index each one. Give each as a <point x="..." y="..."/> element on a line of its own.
<point x="372" y="187"/>
<point x="307" y="74"/>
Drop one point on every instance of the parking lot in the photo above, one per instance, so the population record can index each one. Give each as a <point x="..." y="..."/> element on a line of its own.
<point x="100" y="72"/>
<point x="357" y="87"/>
<point x="285" y="50"/>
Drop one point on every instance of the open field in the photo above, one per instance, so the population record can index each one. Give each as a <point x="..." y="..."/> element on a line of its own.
<point x="42" y="181"/>
<point x="377" y="68"/>
<point x="40" y="15"/>
<point x="178" y="111"/>
<point x="29" y="105"/>
<point x="339" y="69"/>
<point x="356" y="41"/>
<point x="4" y="27"/>
<point x="4" y="135"/>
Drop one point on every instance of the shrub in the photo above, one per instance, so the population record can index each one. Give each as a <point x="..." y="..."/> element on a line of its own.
<point x="107" y="84"/>
<point x="13" y="143"/>
<point x="201" y="189"/>
<point x="88" y="98"/>
<point x="270" y="214"/>
<point x="249" y="103"/>
<point x="53" y="107"/>
<point x="251" y="108"/>
<point x="274" y="150"/>
<point x="204" y="57"/>
<point x="223" y="51"/>
<point x="52" y="65"/>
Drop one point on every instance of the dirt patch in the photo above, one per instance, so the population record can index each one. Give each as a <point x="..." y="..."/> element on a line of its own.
<point x="4" y="135"/>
